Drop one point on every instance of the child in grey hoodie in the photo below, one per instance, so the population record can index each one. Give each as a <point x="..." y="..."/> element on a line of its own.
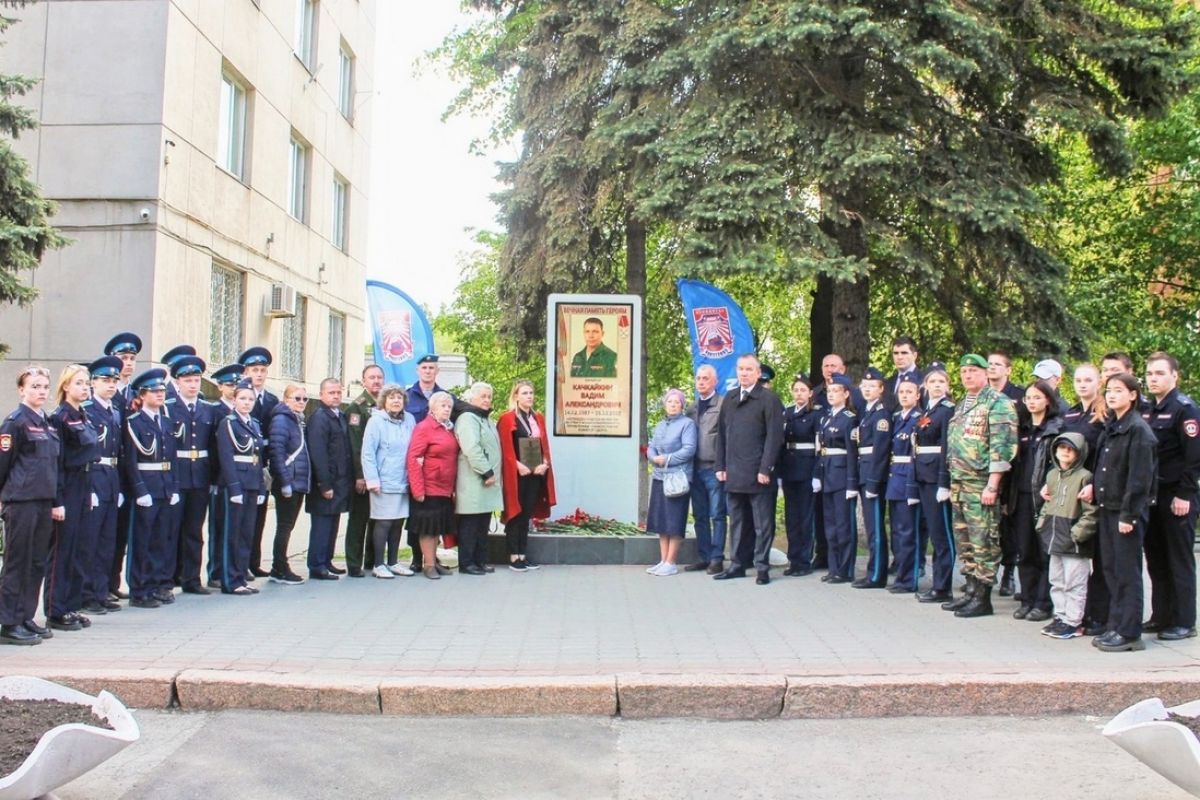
<point x="1067" y="526"/>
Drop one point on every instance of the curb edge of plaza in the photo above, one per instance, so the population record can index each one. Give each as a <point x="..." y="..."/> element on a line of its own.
<point x="639" y="696"/>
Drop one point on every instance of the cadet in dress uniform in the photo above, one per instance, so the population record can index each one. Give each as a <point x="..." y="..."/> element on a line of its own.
<point x="107" y="497"/>
<point x="227" y="379"/>
<point x="168" y="360"/>
<point x="147" y="457"/>
<point x="29" y="456"/>
<point x="255" y="362"/>
<point x="192" y="422"/>
<point x="873" y="435"/>
<point x="902" y="495"/>
<point x="797" y="462"/>
<point x="80" y="447"/>
<point x="837" y="480"/>
<point x="241" y="449"/>
<point x="126" y="347"/>
<point x="931" y="485"/>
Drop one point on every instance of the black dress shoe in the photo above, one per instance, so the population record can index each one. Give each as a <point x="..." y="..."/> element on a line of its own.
<point x="1104" y="637"/>
<point x="92" y="607"/>
<point x="1038" y="615"/>
<point x="471" y="569"/>
<point x="18" y="634"/>
<point x="197" y="589"/>
<point x="1093" y="629"/>
<point x="863" y="583"/>
<point x="900" y="588"/>
<point x="1120" y="644"/>
<point x="336" y="570"/>
<point x="65" y="623"/>
<point x="111" y="605"/>
<point x="932" y="596"/>
<point x="145" y="602"/>
<point x="1153" y="626"/>
<point x="259" y="572"/>
<point x="697" y="566"/>
<point x="1176" y="633"/>
<point x="213" y="584"/>
<point x="355" y="572"/>
<point x="837" y="579"/>
<point x="1022" y="612"/>
<point x="715" y="567"/>
<point x="33" y="627"/>
<point x="322" y="575"/>
<point x="729" y="573"/>
<point x="825" y="578"/>
<point x="763" y="578"/>
<point x="165" y="596"/>
<point x="791" y="570"/>
<point x="81" y="619"/>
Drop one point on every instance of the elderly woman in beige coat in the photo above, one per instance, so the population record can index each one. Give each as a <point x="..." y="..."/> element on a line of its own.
<point x="478" y="494"/>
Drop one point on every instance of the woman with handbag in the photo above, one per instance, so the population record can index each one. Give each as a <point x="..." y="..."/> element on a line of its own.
<point x="526" y="474"/>
<point x="671" y="450"/>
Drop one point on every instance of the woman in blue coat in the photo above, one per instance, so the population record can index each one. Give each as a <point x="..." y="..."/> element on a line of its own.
<point x="385" y="469"/>
<point x="796" y="465"/>
<point x="291" y="476"/>
<point x="240" y="450"/>
<point x="931" y="478"/>
<point x="671" y="449"/>
<point x="902" y="495"/>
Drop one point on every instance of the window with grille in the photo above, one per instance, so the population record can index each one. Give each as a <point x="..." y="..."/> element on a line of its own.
<point x="341" y="199"/>
<point x="231" y="135"/>
<point x="228" y="308"/>
<point x="337" y="346"/>
<point x="298" y="179"/>
<point x="291" y="356"/>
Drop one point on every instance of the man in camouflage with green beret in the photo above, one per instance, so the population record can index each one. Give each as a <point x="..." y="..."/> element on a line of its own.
<point x="981" y="442"/>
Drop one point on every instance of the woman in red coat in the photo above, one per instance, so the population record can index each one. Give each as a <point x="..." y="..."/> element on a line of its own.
<point x="528" y="487"/>
<point x="432" y="468"/>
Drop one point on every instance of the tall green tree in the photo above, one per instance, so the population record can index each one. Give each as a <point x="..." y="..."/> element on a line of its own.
<point x="25" y="230"/>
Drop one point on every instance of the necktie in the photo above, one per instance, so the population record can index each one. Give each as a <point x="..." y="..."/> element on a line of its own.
<point x="744" y="395"/>
<point x="191" y="408"/>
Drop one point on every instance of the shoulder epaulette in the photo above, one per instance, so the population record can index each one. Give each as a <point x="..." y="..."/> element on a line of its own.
<point x="946" y="403"/>
<point x="86" y="404"/>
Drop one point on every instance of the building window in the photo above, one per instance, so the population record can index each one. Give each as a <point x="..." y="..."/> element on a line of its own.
<point x="231" y="136"/>
<point x="228" y="307"/>
<point x="337" y="345"/>
<point x="346" y="82"/>
<point x="291" y="356"/>
<point x="341" y="208"/>
<point x="306" y="32"/>
<point x="298" y="165"/>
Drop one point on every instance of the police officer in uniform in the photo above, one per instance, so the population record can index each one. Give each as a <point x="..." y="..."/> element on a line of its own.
<point x="80" y="447"/>
<point x="1170" y="536"/>
<point x="105" y="480"/>
<point x="192" y="421"/>
<point x="798" y="462"/>
<point x="931" y="485"/>
<point x="901" y="491"/>
<point x="227" y="379"/>
<point x="147" y="458"/>
<point x="255" y="362"/>
<point x="837" y="479"/>
<point x="874" y="439"/>
<point x="241" y="448"/>
<point x="126" y="347"/>
<point x="29" y="454"/>
<point x="360" y="524"/>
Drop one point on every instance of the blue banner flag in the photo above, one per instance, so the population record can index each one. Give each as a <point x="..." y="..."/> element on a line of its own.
<point x="718" y="328"/>
<point x="400" y="331"/>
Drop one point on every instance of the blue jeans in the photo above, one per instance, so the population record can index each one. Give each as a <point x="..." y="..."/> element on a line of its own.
<point x="708" y="509"/>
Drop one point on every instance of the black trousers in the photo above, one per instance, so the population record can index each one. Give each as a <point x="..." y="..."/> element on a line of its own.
<point x="287" y="511"/>
<point x="385" y="541"/>
<point x="1033" y="563"/>
<point x="260" y="522"/>
<point x="1171" y="562"/>
<point x="820" y="543"/>
<point x="516" y="530"/>
<point x="192" y="509"/>
<point x="1123" y="573"/>
<point x="472" y="539"/>
<point x="798" y="503"/>
<point x="64" y="579"/>
<point x="358" y="531"/>
<point x="752" y="512"/>
<point x="1095" y="610"/>
<point x="27" y="532"/>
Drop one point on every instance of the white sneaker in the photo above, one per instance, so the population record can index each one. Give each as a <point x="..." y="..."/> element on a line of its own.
<point x="400" y="569"/>
<point x="654" y="570"/>
<point x="382" y="572"/>
<point x="667" y="569"/>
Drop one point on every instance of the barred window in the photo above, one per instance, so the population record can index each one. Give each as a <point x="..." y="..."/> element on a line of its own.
<point x="228" y="308"/>
<point x="291" y="356"/>
<point x="337" y="346"/>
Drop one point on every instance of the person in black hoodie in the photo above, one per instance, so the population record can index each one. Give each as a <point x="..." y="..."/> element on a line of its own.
<point x="1123" y="487"/>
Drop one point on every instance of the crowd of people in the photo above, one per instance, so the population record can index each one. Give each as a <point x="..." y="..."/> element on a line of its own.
<point x="1058" y="504"/>
<point x="117" y="478"/>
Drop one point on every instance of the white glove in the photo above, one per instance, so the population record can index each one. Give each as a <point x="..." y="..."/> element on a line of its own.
<point x="95" y="500"/>
<point x="871" y="495"/>
<point x="237" y="498"/>
<point x="286" y="491"/>
<point x="851" y="494"/>
<point x="912" y="501"/>
<point x="120" y="499"/>
<point x="214" y="490"/>
<point x="943" y="495"/>
<point x="261" y="499"/>
<point x="174" y="499"/>
<point x="145" y="501"/>
<point x="816" y="484"/>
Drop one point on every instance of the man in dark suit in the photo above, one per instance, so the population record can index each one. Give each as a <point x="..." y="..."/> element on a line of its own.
<point x="333" y="476"/>
<point x="749" y="439"/>
<point x="904" y="358"/>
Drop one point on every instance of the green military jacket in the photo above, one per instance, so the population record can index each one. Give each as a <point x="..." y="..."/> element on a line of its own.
<point x="357" y="414"/>
<point x="982" y="438"/>
<point x="601" y="364"/>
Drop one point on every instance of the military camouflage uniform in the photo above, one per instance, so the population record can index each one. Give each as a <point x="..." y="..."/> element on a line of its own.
<point x="981" y="439"/>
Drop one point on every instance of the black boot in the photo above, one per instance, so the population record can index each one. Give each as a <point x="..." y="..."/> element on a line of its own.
<point x="981" y="606"/>
<point x="1007" y="586"/>
<point x="966" y="597"/>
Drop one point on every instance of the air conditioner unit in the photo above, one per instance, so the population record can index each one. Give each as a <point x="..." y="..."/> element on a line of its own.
<point x="281" y="302"/>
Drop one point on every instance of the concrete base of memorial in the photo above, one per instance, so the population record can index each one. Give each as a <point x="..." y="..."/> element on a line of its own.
<point x="556" y="548"/>
<point x="1168" y="748"/>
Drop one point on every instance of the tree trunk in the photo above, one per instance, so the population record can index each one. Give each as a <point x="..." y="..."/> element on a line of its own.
<point x="820" y="325"/>
<point x="635" y="283"/>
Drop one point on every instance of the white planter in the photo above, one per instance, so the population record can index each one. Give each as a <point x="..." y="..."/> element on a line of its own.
<point x="68" y="751"/>
<point x="1168" y="748"/>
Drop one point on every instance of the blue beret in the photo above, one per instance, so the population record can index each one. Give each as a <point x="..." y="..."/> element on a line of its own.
<point x="244" y="383"/>
<point x="428" y="357"/>
<point x="255" y="356"/>
<point x="177" y="352"/>
<point x="150" y="380"/>
<point x="229" y="374"/>
<point x="105" y="367"/>
<point x="187" y="365"/>
<point x="872" y="374"/>
<point x="123" y="343"/>
<point x="842" y="380"/>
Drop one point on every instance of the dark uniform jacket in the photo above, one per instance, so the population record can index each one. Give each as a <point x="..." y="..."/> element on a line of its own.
<point x="417" y="403"/>
<point x="837" y="467"/>
<point x="1175" y="421"/>
<point x="149" y="442"/>
<point x="194" y="461"/>
<point x="105" y="475"/>
<point x="329" y="453"/>
<point x="1126" y="468"/>
<point x="874" y="439"/>
<point x="749" y="437"/>
<point x="900" y="482"/>
<point x="929" y="445"/>
<point x="889" y="386"/>
<point x="29" y="457"/>
<point x="798" y="461"/>
<point x="79" y="446"/>
<point x="263" y="404"/>
<point x="1079" y="420"/>
<point x="241" y="449"/>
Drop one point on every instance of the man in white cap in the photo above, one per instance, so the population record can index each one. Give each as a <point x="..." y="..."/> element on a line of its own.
<point x="1051" y="372"/>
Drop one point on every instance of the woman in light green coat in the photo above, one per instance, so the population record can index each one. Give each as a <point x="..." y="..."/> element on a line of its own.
<point x="478" y="494"/>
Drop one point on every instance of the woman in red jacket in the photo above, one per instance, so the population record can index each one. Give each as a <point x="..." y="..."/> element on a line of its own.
<point x="432" y="468"/>
<point x="528" y="486"/>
